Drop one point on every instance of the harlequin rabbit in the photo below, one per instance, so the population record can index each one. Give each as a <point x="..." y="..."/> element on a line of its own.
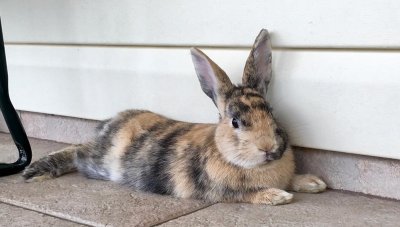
<point x="246" y="157"/>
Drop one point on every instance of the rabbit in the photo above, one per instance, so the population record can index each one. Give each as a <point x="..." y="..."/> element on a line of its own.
<point x="245" y="157"/>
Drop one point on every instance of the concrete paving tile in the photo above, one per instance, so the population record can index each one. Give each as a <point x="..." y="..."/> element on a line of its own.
<point x="331" y="208"/>
<point x="8" y="150"/>
<point x="358" y="173"/>
<point x="3" y="125"/>
<point x="15" y="216"/>
<point x="90" y="202"/>
<point x="58" y="128"/>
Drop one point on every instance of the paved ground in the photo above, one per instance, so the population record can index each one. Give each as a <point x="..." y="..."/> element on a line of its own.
<point x="73" y="200"/>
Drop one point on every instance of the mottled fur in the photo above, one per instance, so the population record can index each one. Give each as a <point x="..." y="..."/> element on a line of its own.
<point x="246" y="157"/>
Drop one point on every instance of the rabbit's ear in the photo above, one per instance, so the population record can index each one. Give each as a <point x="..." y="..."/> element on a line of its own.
<point x="213" y="80"/>
<point x="258" y="70"/>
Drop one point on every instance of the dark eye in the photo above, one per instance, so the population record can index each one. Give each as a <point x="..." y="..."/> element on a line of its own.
<point x="235" y="123"/>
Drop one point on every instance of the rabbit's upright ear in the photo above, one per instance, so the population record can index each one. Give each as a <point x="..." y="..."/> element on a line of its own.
<point x="213" y="80"/>
<point x="258" y="70"/>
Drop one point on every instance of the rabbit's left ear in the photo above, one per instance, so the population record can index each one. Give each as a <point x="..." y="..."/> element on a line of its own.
<point x="258" y="70"/>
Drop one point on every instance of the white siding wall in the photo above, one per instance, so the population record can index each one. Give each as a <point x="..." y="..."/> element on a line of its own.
<point x="336" y="63"/>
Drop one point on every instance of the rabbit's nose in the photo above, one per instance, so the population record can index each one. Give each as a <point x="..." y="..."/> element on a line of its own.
<point x="271" y="156"/>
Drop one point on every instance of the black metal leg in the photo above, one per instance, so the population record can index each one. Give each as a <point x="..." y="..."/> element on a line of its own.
<point x="13" y="122"/>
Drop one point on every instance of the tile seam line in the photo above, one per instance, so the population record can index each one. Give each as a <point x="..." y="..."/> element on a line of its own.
<point x="229" y="47"/>
<point x="183" y="215"/>
<point x="53" y="214"/>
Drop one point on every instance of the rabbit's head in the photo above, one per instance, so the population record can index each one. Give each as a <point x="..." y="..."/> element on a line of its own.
<point x="247" y="134"/>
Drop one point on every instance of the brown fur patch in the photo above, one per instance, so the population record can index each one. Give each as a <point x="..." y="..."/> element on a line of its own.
<point x="130" y="130"/>
<point x="184" y="186"/>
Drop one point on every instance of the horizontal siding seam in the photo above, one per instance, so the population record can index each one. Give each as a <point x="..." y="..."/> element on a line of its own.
<point x="162" y="46"/>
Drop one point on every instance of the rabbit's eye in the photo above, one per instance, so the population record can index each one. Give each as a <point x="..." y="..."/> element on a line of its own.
<point x="235" y="123"/>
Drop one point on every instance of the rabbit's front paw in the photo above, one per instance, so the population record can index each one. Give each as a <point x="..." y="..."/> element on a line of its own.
<point x="308" y="183"/>
<point x="272" y="196"/>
